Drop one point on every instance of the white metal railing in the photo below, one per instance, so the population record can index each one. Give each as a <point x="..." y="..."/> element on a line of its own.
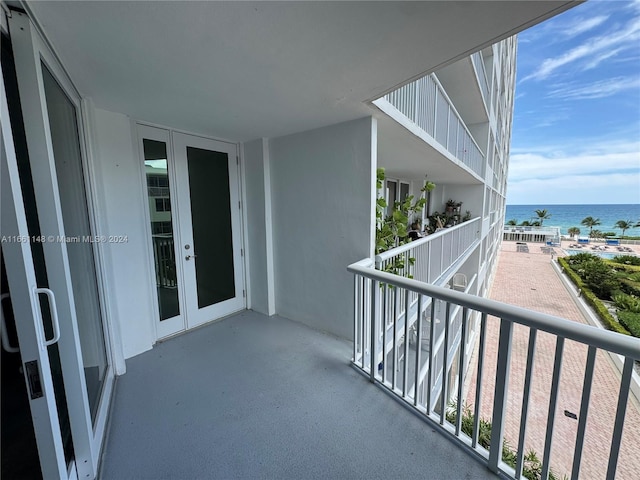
<point x="426" y="103"/>
<point x="418" y="345"/>
<point x="164" y="257"/>
<point x="478" y="63"/>
<point x="428" y="258"/>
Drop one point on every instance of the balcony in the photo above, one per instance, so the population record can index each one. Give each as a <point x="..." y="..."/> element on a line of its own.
<point x="425" y="104"/>
<point x="481" y="74"/>
<point x="264" y="397"/>
<point x="407" y="331"/>
<point x="435" y="256"/>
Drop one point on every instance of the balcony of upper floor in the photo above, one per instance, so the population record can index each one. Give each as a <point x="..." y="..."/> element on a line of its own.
<point x="421" y="130"/>
<point x="468" y="84"/>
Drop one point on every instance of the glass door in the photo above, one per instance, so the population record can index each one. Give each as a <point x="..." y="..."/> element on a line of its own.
<point x="210" y="227"/>
<point x="155" y="151"/>
<point x="40" y="437"/>
<point x="56" y="172"/>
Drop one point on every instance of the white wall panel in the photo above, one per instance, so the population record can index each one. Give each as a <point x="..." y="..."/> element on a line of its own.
<point x="254" y="169"/>
<point x="322" y="186"/>
<point x="119" y="174"/>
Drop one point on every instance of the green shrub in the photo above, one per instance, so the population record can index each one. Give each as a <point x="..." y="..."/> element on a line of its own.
<point x="607" y="319"/>
<point x="627" y="303"/>
<point x="630" y="287"/>
<point x="627" y="259"/>
<point x="580" y="258"/>
<point x="600" y="278"/>
<point x="631" y="321"/>
<point x="532" y="466"/>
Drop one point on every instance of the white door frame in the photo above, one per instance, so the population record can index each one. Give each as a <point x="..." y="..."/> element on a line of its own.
<point x="198" y="316"/>
<point x="176" y="324"/>
<point x="25" y="304"/>
<point x="189" y="316"/>
<point x="30" y="51"/>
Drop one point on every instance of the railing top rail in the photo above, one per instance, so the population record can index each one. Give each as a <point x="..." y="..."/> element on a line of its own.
<point x="416" y="243"/>
<point x="604" y="339"/>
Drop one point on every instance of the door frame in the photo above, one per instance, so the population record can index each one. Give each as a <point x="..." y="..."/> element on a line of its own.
<point x="25" y="305"/>
<point x="198" y="316"/>
<point x="137" y="127"/>
<point x="31" y="51"/>
<point x="177" y="324"/>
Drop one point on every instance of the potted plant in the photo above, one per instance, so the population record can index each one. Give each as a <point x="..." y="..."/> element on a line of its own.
<point x="450" y="205"/>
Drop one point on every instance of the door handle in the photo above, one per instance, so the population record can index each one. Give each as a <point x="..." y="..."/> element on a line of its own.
<point x="54" y="316"/>
<point x="190" y="256"/>
<point x="4" y="333"/>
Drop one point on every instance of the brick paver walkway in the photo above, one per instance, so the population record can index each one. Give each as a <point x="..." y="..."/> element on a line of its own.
<point x="528" y="280"/>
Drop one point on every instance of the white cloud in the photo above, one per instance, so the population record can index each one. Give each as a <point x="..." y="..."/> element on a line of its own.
<point x="600" y="89"/>
<point x="599" y="47"/>
<point x="576" y="189"/>
<point x="582" y="25"/>
<point x="549" y="163"/>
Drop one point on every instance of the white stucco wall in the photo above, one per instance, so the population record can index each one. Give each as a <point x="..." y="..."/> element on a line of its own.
<point x="322" y="186"/>
<point x="254" y="182"/>
<point x="119" y="175"/>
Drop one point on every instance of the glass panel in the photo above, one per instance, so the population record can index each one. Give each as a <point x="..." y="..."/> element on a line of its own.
<point x="37" y="252"/>
<point x="211" y="223"/>
<point x="404" y="191"/>
<point x="391" y="195"/>
<point x="73" y="200"/>
<point x="155" y="165"/>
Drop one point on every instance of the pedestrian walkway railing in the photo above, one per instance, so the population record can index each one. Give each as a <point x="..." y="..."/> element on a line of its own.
<point x="396" y="346"/>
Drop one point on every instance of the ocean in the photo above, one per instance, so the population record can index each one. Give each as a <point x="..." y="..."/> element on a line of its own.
<point x="567" y="216"/>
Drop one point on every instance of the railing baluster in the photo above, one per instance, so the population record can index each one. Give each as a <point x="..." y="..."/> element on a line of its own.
<point x="500" y="394"/>
<point x="476" y="411"/>
<point x="443" y="393"/>
<point x="405" y="363"/>
<point x="372" y="353"/>
<point x="463" y="333"/>
<point x="356" y="303"/>
<point x="621" y="411"/>
<point x="394" y="376"/>
<point x="584" y="410"/>
<point x="363" y="338"/>
<point x="418" y="345"/>
<point x="383" y="323"/>
<point x="526" y="394"/>
<point x="432" y="333"/>
<point x="553" y="402"/>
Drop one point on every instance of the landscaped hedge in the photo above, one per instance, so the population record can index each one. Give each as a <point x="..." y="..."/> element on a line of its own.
<point x="631" y="321"/>
<point x="627" y="259"/>
<point x="609" y="322"/>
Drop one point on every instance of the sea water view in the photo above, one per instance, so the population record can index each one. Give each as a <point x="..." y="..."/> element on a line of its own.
<point x="567" y="216"/>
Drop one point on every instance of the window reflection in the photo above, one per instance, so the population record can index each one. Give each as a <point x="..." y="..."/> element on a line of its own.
<point x="159" y="199"/>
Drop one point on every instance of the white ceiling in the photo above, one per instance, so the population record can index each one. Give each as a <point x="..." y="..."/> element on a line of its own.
<point x="243" y="70"/>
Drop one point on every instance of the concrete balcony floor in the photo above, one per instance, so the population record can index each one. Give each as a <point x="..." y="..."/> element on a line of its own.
<point x="264" y="397"/>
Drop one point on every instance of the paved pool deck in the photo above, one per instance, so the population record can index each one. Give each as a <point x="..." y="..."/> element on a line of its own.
<point x="530" y="281"/>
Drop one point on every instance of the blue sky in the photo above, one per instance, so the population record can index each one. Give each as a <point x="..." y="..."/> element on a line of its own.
<point x="576" y="126"/>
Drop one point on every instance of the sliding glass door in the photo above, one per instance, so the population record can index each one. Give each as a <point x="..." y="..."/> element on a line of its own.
<point x="55" y="184"/>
